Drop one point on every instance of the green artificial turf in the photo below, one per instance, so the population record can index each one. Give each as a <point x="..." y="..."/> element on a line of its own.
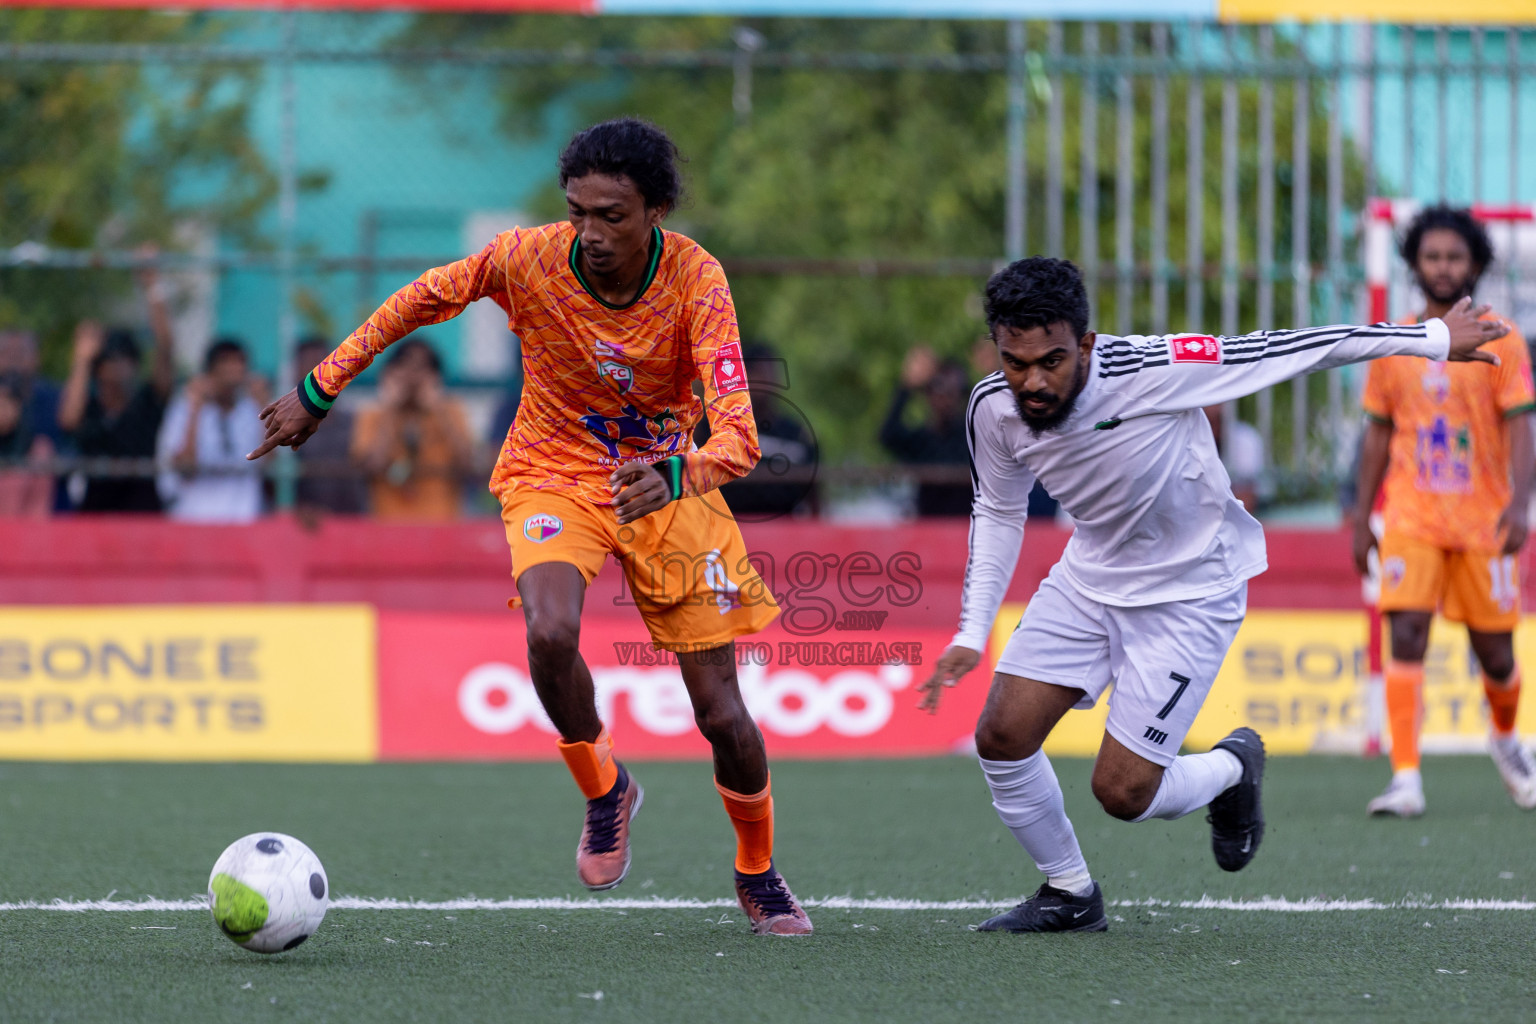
<point x="921" y="830"/>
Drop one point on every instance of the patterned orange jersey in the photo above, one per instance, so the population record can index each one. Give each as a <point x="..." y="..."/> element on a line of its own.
<point x="602" y="385"/>
<point x="1447" y="477"/>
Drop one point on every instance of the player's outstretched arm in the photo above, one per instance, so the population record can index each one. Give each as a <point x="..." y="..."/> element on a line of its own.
<point x="288" y="424"/>
<point x="1179" y="372"/>
<point x="955" y="662"/>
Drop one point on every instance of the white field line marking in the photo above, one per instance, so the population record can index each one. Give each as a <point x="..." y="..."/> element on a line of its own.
<point x="1268" y="904"/>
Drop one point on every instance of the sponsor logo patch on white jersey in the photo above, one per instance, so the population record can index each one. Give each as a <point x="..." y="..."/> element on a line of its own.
<point x="1194" y="348"/>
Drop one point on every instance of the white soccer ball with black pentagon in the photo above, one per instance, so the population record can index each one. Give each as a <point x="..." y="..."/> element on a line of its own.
<point x="268" y="892"/>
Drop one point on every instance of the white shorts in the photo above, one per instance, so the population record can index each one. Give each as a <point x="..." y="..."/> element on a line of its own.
<point x="1161" y="658"/>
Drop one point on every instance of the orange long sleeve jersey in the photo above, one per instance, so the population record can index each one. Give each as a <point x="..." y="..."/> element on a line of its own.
<point x="602" y="385"/>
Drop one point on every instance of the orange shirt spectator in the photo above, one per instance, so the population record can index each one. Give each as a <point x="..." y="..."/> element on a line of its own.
<point x="415" y="445"/>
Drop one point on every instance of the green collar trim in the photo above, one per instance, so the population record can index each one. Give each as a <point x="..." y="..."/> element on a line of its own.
<point x="650" y="271"/>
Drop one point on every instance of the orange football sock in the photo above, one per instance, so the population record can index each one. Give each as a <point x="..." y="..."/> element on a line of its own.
<point x="1405" y="685"/>
<point x="752" y="817"/>
<point x="591" y="764"/>
<point x="1503" y="702"/>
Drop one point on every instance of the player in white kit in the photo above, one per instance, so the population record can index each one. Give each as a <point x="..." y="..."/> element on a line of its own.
<point x="1151" y="588"/>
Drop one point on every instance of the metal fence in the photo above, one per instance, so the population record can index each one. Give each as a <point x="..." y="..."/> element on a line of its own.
<point x="1206" y="177"/>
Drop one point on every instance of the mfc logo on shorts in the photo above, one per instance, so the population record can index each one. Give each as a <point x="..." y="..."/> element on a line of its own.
<point x="542" y="527"/>
<point x="1195" y="348"/>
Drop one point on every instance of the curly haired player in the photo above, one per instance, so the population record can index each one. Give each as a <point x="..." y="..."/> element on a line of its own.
<point x="1453" y="445"/>
<point x="617" y="319"/>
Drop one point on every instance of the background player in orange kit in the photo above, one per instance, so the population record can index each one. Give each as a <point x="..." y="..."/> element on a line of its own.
<point x="1453" y="441"/>
<point x="617" y="319"/>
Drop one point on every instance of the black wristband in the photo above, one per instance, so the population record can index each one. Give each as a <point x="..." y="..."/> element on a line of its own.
<point x="671" y="470"/>
<point x="313" y="397"/>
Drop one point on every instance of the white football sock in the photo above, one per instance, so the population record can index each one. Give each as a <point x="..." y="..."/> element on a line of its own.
<point x="1028" y="799"/>
<point x="1408" y="777"/>
<point x="1508" y="744"/>
<point x="1193" y="781"/>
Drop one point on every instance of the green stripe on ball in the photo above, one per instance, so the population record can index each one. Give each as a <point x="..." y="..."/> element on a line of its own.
<point x="239" y="910"/>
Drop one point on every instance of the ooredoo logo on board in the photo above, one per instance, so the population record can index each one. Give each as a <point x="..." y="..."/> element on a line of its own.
<point x="457" y="686"/>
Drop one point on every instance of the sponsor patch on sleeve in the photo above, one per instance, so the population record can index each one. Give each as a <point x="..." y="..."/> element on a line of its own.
<point x="730" y="374"/>
<point x="1194" y="348"/>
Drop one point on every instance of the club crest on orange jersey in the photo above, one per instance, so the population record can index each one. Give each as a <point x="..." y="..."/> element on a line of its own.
<point x="1194" y="348"/>
<point x="622" y="376"/>
<point x="541" y="527"/>
<point x="1437" y="383"/>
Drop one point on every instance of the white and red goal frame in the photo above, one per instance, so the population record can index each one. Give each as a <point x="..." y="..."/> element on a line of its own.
<point x="1513" y="231"/>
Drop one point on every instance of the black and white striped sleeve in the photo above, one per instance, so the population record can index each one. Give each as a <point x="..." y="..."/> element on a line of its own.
<point x="998" y="509"/>
<point x="1187" y="371"/>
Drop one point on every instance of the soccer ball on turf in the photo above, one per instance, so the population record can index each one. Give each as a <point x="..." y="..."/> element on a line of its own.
<point x="268" y="892"/>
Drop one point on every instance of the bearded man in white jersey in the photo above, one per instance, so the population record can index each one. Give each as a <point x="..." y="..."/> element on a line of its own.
<point x="1153" y="585"/>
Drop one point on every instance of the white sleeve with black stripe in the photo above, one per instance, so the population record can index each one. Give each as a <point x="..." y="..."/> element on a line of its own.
<point x="998" y="509"/>
<point x="1181" y="371"/>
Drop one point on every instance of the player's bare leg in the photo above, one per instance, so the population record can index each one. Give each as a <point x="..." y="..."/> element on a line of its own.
<point x="552" y="595"/>
<point x="1227" y="780"/>
<point x="1409" y="632"/>
<point x="741" y="761"/>
<point x="1501" y="685"/>
<point x="1124" y="782"/>
<point x="741" y="776"/>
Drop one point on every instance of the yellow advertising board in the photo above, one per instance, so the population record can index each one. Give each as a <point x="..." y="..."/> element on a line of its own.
<point x="188" y="683"/>
<point x="1429" y="12"/>
<point x="1299" y="678"/>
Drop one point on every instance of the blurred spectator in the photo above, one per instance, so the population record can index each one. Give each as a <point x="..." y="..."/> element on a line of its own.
<point x="26" y="488"/>
<point x="114" y="414"/>
<point x="1242" y="453"/>
<point x="984" y="357"/>
<point x="414" y="445"/>
<point x="208" y="430"/>
<point x="39" y="397"/>
<point x="328" y="480"/>
<point x="782" y="482"/>
<point x="940" y="440"/>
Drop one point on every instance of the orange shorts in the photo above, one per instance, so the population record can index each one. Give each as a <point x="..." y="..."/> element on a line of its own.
<point x="1479" y="588"/>
<point x="685" y="565"/>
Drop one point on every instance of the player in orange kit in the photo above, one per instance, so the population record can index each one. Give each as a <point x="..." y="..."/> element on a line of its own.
<point x="618" y="319"/>
<point x="1453" y="442"/>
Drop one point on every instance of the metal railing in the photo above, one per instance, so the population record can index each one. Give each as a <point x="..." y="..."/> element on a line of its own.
<point x="1206" y="177"/>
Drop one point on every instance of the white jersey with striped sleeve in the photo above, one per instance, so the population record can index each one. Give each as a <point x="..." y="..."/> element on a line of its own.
<point x="1136" y="467"/>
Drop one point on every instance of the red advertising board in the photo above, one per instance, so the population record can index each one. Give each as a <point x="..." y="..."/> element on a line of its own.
<point x="456" y="686"/>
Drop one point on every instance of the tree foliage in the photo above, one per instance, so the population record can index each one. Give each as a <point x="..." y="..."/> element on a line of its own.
<point x="116" y="156"/>
<point x="865" y="165"/>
